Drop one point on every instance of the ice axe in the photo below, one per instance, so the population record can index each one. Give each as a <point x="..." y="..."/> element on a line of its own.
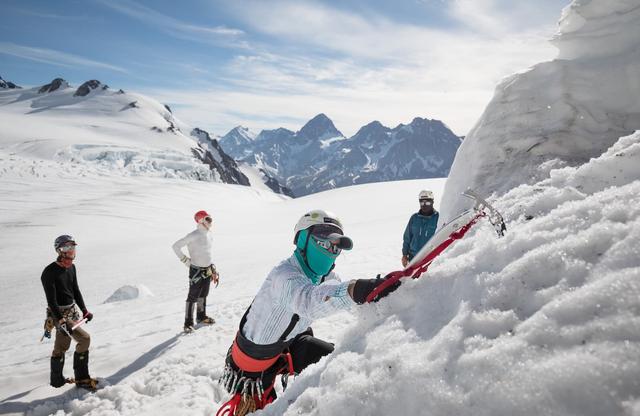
<point x="79" y="324"/>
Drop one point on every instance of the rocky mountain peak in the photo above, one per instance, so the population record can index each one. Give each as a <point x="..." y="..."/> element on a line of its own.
<point x="84" y="89"/>
<point x="371" y="127"/>
<point x="56" y="84"/>
<point x="202" y="135"/>
<point x="319" y="128"/>
<point x="372" y="132"/>
<point x="210" y="153"/>
<point x="242" y="133"/>
<point x="7" y="84"/>
<point x="276" y="134"/>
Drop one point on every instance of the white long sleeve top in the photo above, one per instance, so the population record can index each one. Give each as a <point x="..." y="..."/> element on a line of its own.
<point x="199" y="243"/>
<point x="287" y="291"/>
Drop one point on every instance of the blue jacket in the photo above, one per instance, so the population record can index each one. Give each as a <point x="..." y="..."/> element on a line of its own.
<point x="419" y="230"/>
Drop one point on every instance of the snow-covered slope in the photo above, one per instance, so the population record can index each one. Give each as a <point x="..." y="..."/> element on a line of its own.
<point x="98" y="130"/>
<point x="261" y="179"/>
<point x="543" y="321"/>
<point x="562" y="112"/>
<point x="125" y="227"/>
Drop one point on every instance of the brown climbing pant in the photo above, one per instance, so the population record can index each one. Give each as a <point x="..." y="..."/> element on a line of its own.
<point x="63" y="342"/>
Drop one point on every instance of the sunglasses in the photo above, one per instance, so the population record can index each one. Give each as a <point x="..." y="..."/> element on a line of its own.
<point x="328" y="245"/>
<point x="208" y="219"/>
<point x="426" y="201"/>
<point x="70" y="247"/>
<point x="331" y="235"/>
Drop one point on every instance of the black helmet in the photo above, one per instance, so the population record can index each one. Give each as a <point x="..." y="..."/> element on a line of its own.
<point x="62" y="240"/>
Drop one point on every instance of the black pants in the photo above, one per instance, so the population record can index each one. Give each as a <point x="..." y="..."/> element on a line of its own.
<point x="305" y="350"/>
<point x="198" y="285"/>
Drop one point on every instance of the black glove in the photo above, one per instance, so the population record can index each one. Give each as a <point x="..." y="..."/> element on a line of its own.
<point x="87" y="315"/>
<point x="363" y="287"/>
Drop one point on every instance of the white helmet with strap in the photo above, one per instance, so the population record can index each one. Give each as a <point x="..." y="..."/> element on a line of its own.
<point x="329" y="223"/>
<point x="317" y="217"/>
<point x="425" y="195"/>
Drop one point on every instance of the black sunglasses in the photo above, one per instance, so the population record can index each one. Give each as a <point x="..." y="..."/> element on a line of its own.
<point x="332" y="234"/>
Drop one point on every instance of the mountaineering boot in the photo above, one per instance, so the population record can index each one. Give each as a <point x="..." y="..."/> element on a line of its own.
<point x="81" y="371"/>
<point x="188" y="317"/>
<point x="202" y="317"/>
<point x="57" y="379"/>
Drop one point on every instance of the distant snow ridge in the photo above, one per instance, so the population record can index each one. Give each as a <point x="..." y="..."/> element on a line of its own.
<point x="104" y="131"/>
<point x="318" y="157"/>
<point x="562" y="112"/>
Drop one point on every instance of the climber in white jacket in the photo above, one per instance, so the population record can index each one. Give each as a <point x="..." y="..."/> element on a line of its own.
<point x="274" y="336"/>
<point x="201" y="268"/>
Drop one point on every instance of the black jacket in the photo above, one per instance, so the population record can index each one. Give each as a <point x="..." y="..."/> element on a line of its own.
<point x="61" y="288"/>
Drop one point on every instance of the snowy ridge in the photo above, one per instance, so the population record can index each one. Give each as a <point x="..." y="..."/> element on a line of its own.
<point x="103" y="131"/>
<point x="261" y="179"/>
<point x="562" y="112"/>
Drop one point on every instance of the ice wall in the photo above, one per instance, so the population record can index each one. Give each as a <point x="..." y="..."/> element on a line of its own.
<point x="562" y="112"/>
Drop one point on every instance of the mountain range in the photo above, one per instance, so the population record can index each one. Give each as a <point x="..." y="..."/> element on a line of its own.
<point x="107" y="129"/>
<point x="319" y="157"/>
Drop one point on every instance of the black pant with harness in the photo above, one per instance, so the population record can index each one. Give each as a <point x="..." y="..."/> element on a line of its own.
<point x="251" y="369"/>
<point x="199" y="283"/>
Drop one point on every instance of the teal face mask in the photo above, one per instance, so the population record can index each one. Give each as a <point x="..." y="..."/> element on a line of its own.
<point x="317" y="261"/>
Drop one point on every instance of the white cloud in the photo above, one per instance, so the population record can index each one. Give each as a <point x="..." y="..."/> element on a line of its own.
<point x="356" y="70"/>
<point x="219" y="35"/>
<point x="53" y="57"/>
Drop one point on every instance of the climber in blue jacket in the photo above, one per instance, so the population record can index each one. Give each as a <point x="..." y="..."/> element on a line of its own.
<point x="421" y="227"/>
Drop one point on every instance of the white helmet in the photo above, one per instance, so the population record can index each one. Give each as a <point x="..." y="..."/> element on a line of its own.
<point x="317" y="217"/>
<point x="425" y="195"/>
<point x="326" y="224"/>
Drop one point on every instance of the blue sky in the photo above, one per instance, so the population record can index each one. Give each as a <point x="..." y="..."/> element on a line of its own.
<point x="267" y="64"/>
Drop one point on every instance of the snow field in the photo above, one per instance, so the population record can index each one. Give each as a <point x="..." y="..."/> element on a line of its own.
<point x="125" y="227"/>
<point x="542" y="321"/>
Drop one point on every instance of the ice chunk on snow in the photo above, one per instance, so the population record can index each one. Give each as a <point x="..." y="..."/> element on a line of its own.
<point x="128" y="292"/>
